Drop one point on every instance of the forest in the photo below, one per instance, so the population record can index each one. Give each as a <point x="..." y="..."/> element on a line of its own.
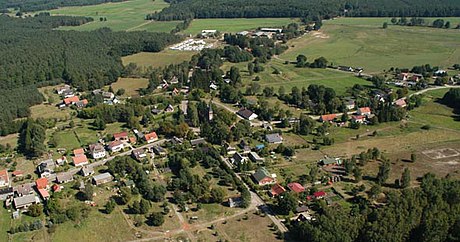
<point x="180" y="10"/>
<point x="34" y="55"/>
<point x="37" y="5"/>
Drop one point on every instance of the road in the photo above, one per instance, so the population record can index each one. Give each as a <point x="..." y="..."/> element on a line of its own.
<point x="433" y="88"/>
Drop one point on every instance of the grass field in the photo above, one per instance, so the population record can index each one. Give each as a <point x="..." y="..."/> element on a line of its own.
<point x="160" y="59"/>
<point x="236" y="25"/>
<point x="362" y="42"/>
<point x="131" y="85"/>
<point x="128" y="15"/>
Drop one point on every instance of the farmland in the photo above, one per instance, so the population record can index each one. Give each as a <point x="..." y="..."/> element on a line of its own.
<point x="362" y="42"/>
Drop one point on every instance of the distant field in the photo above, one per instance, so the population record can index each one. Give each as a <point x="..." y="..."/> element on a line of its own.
<point x="131" y="85"/>
<point x="127" y="15"/>
<point x="361" y="42"/>
<point x="159" y="59"/>
<point x="236" y="25"/>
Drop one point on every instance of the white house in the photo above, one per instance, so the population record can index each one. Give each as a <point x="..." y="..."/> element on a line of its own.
<point x="97" y="151"/>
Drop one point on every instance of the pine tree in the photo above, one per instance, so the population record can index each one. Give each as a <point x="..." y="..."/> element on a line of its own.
<point x="405" y="178"/>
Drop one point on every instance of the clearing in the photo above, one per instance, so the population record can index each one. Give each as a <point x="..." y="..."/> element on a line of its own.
<point x="159" y="59"/>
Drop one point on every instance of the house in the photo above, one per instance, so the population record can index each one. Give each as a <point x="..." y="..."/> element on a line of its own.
<point x="296" y="187"/>
<point x="46" y="168"/>
<point x="64" y="177"/>
<point x="319" y="194"/>
<point x="116" y="146"/>
<point x="56" y="188"/>
<point x="78" y="152"/>
<point x="231" y="150"/>
<point x="18" y="173"/>
<point x="199" y="141"/>
<point x="102" y="178"/>
<point x="277" y="190"/>
<point x="169" y="108"/>
<point x="174" y="80"/>
<point x="62" y="89"/>
<point x="139" y="154"/>
<point x="4" y="179"/>
<point x="156" y="111"/>
<point x="237" y="158"/>
<point x="213" y="86"/>
<point x="247" y="114"/>
<point x="41" y="183"/>
<point x="122" y="136"/>
<point x="262" y="177"/>
<point x="25" y="201"/>
<point x="5" y="193"/>
<point x="61" y="161"/>
<point x="346" y="68"/>
<point x="255" y="157"/>
<point x="82" y="103"/>
<point x="358" y="118"/>
<point x="71" y="100"/>
<point x="416" y="77"/>
<point x="400" y="103"/>
<point x="159" y="150"/>
<point x="208" y="32"/>
<point x="350" y="104"/>
<point x="330" y="161"/>
<point x="151" y="137"/>
<point x="24" y="189"/>
<point x="87" y="171"/>
<point x="235" y="202"/>
<point x="97" y="151"/>
<point x="274" y="138"/>
<point x="80" y="160"/>
<point x="403" y="76"/>
<point x="366" y="111"/>
<point x="129" y="183"/>
<point x="327" y="117"/>
<point x="44" y="194"/>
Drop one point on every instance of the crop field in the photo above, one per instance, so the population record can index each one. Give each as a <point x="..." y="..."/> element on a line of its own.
<point x="361" y="42"/>
<point x="159" y="59"/>
<point x="236" y="25"/>
<point x="128" y="15"/>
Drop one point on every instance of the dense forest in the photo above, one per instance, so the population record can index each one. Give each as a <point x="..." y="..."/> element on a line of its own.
<point x="34" y="55"/>
<point x="37" y="5"/>
<point x="309" y="9"/>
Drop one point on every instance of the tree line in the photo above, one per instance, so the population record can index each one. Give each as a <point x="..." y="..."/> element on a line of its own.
<point x="37" y="5"/>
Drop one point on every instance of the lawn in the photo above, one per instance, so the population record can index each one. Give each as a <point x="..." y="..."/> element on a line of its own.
<point x="160" y="59"/>
<point x="11" y="139"/>
<point x="47" y="111"/>
<point x="361" y="42"/>
<point x="236" y="25"/>
<point x="131" y="85"/>
<point x="5" y="224"/>
<point x="127" y="15"/>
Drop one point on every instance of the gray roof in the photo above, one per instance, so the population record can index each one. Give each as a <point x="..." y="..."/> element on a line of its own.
<point x="245" y="113"/>
<point x="102" y="176"/>
<point x="24" y="200"/>
<point x="260" y="174"/>
<point x="197" y="141"/>
<point x="62" y="177"/>
<point x="24" y="188"/>
<point x="273" y="138"/>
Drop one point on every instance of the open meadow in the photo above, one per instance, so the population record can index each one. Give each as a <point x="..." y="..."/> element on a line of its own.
<point x="362" y="42"/>
<point x="159" y="59"/>
<point x="127" y="15"/>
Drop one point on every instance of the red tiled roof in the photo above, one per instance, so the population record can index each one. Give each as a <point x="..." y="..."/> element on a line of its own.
<point x="44" y="193"/>
<point x="85" y="101"/>
<point x="357" y="117"/>
<point x="365" y="110"/>
<point x="79" y="160"/>
<point x="400" y="103"/>
<point x="71" y="100"/>
<point x="56" y="188"/>
<point x="18" y="173"/>
<point x="78" y="152"/>
<point x="41" y="183"/>
<point x="114" y="143"/>
<point x="120" y="135"/>
<point x="277" y="189"/>
<point x="4" y="175"/>
<point x="151" y="136"/>
<point x="296" y="187"/>
<point x="328" y="117"/>
<point x="319" y="194"/>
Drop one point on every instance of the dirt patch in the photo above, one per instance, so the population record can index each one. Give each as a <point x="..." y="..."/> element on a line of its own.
<point x="320" y="35"/>
<point x="437" y="154"/>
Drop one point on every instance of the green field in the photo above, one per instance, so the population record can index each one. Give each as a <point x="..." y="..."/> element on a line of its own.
<point x="236" y="25"/>
<point x="131" y="85"/>
<point x="127" y="15"/>
<point x="361" y="42"/>
<point x="159" y="59"/>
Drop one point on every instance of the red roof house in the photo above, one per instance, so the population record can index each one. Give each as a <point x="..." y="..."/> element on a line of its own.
<point x="151" y="137"/>
<point x="78" y="152"/>
<point x="364" y="111"/>
<point x="56" y="188"/>
<point x="319" y="195"/>
<point x="327" y="117"/>
<point x="358" y="118"/>
<point x="71" y="100"/>
<point x="41" y="183"/>
<point x="18" y="173"/>
<point x="122" y="136"/>
<point x="276" y="190"/>
<point x="80" y="160"/>
<point x="44" y="194"/>
<point x="296" y="187"/>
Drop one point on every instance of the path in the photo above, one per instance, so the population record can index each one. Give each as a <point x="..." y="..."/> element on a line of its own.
<point x="433" y="88"/>
<point x="138" y="26"/>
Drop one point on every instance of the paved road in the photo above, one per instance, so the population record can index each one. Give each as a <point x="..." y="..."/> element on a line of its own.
<point x="433" y="88"/>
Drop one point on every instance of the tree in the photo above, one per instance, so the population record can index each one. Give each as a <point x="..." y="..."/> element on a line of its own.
<point x="301" y="61"/>
<point x="88" y="192"/>
<point x="385" y="25"/>
<point x="144" y="206"/>
<point x="32" y="138"/>
<point x="375" y="190"/>
<point x="125" y="195"/>
<point x="192" y="115"/>
<point x="394" y="20"/>
<point x="156" y="219"/>
<point x="447" y="25"/>
<point x="218" y="195"/>
<point x="251" y="68"/>
<point x="384" y="172"/>
<point x="287" y="203"/>
<point x="413" y="157"/>
<point x="35" y="210"/>
<point x="110" y="206"/>
<point x="357" y="173"/>
<point x="405" y="178"/>
<point x="99" y="123"/>
<point x="120" y="92"/>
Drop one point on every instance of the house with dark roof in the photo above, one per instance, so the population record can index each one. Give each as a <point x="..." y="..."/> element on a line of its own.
<point x="139" y="154"/>
<point x="64" y="177"/>
<point x="262" y="177"/>
<point x="274" y="138"/>
<point x="159" y="150"/>
<point x="247" y="114"/>
<point x="237" y="159"/>
<point x="102" y="178"/>
<point x="255" y="157"/>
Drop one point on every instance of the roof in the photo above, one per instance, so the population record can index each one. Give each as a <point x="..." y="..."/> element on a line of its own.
<point x="329" y="161"/>
<point x="296" y="187"/>
<point x="277" y="189"/>
<point x="357" y="117"/>
<point x="18" y="173"/>
<point x="102" y="176"/>
<point x="328" y="117"/>
<point x="120" y="135"/>
<point x="78" y="152"/>
<point x="56" y="188"/>
<point x="41" y="183"/>
<point x="61" y="177"/>
<point x="273" y="138"/>
<point x="24" y="188"/>
<point x="24" y="200"/>
<point x="260" y="174"/>
<point x="245" y="113"/>
<point x="96" y="148"/>
<point x="43" y="193"/>
<point x="114" y="144"/>
<point x="79" y="159"/>
<point x="365" y="110"/>
<point x="319" y="194"/>
<point x="151" y="136"/>
<point x="400" y="102"/>
<point x="87" y="170"/>
<point x="71" y="100"/>
<point x="197" y="141"/>
<point x="4" y="176"/>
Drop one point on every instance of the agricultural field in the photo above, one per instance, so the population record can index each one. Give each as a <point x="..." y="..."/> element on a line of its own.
<point x="128" y="15"/>
<point x="159" y="59"/>
<point x="361" y="42"/>
<point x="130" y="85"/>
<point x="236" y="25"/>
